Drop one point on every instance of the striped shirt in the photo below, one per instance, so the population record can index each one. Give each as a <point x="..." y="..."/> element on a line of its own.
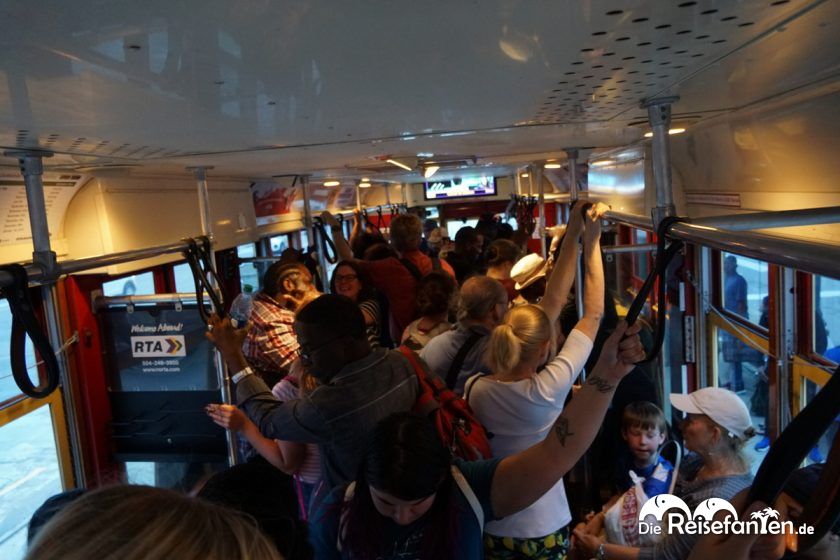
<point x="371" y="307"/>
<point x="271" y="344"/>
<point x="310" y="469"/>
<point x="676" y="546"/>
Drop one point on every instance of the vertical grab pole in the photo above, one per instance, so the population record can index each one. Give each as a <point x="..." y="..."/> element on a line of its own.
<point x="537" y="174"/>
<point x="574" y="195"/>
<point x="310" y="234"/>
<point x="659" y="116"/>
<point x="307" y="209"/>
<point x="32" y="168"/>
<point x="200" y="174"/>
<point x="358" y="197"/>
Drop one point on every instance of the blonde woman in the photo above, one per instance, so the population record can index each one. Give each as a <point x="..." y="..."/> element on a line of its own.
<point x="145" y="523"/>
<point x="522" y="398"/>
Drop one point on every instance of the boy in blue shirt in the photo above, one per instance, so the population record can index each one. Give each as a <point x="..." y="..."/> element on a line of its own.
<point x="644" y="429"/>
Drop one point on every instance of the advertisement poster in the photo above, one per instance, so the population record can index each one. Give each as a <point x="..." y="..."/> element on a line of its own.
<point x="272" y="200"/>
<point x="158" y="348"/>
<point x="59" y="189"/>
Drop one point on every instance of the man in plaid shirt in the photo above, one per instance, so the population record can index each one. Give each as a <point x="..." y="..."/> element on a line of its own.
<point x="271" y="345"/>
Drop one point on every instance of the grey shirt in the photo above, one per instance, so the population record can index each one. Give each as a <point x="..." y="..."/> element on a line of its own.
<point x="340" y="415"/>
<point x="440" y="352"/>
<point x="677" y="546"/>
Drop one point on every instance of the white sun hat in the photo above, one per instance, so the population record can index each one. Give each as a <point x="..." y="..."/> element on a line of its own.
<point x="528" y="270"/>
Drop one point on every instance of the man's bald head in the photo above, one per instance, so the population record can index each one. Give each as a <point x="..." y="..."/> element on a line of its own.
<point x="479" y="297"/>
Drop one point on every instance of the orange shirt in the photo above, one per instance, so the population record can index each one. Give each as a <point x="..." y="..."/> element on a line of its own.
<point x="394" y="280"/>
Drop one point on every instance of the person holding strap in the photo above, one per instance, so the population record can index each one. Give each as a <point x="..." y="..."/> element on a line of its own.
<point x="409" y="500"/>
<point x="522" y="398"/>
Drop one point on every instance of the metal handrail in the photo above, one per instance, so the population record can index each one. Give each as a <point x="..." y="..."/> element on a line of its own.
<point x="775" y="219"/>
<point x="807" y="256"/>
<point x="38" y="275"/>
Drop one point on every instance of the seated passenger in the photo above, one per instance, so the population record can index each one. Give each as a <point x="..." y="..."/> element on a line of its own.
<point x="271" y="345"/>
<point x="349" y="280"/>
<point x="716" y="428"/>
<point x="434" y="301"/>
<point x="357" y="386"/>
<point x="521" y="399"/>
<point x="798" y="491"/>
<point x="141" y="522"/>
<point x="408" y="500"/>
<point x="397" y="278"/>
<point x="644" y="430"/>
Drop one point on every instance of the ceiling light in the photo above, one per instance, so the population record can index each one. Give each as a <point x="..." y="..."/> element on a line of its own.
<point x="364" y="185"/>
<point x="676" y="131"/>
<point x="602" y="163"/>
<point x="648" y="134"/>
<point x="425" y="154"/>
<point x="399" y="164"/>
<point x="524" y="175"/>
<point x="331" y="183"/>
<point x="430" y="170"/>
<point x="552" y="165"/>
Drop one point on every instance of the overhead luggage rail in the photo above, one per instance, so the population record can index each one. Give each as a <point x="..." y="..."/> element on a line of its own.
<point x="768" y="220"/>
<point x="807" y="256"/>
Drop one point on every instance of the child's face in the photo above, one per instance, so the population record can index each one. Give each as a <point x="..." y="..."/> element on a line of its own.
<point x="644" y="443"/>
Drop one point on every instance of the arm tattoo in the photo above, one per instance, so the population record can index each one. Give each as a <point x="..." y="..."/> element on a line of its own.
<point x="600" y="384"/>
<point x="562" y="430"/>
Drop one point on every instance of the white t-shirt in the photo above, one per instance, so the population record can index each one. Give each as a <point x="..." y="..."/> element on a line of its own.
<point x="520" y="414"/>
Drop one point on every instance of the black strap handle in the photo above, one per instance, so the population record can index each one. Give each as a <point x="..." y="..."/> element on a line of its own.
<point x="460" y="357"/>
<point x="325" y="243"/>
<point x="198" y="256"/>
<point x="664" y="256"/>
<point x="788" y="452"/>
<point x="24" y="322"/>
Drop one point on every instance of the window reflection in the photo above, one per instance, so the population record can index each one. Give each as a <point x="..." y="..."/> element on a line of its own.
<point x="826" y="319"/>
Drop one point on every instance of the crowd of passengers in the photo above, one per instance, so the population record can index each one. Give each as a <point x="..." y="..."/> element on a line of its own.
<point x="339" y="466"/>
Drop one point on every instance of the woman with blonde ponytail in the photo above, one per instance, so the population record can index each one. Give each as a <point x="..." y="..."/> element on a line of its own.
<point x="524" y="395"/>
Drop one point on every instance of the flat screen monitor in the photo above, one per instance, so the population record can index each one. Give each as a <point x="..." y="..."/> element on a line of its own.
<point x="465" y="187"/>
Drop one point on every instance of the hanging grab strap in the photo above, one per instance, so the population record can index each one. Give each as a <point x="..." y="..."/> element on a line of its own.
<point x="325" y="243"/>
<point x="24" y="322"/>
<point x="664" y="256"/>
<point x="198" y="254"/>
<point x="788" y="452"/>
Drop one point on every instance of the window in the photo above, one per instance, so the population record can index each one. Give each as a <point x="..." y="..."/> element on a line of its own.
<point x="304" y="239"/>
<point x="640" y="258"/>
<point x="452" y="226"/>
<point x="136" y="284"/>
<point x="826" y="319"/>
<point x="279" y="244"/>
<point x="184" y="281"/>
<point x="248" y="273"/>
<point x="743" y="369"/>
<point x="29" y="474"/>
<point x="8" y="387"/>
<point x="745" y="288"/>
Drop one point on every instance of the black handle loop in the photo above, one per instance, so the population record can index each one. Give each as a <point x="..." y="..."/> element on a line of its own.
<point x="325" y="243"/>
<point x="24" y="322"/>
<point x="664" y="256"/>
<point x="200" y="263"/>
<point x="788" y="452"/>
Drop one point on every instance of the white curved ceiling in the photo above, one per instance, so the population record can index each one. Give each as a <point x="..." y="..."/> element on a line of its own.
<point x="257" y="88"/>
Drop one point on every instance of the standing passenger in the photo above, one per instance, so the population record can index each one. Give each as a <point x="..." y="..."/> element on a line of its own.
<point x="357" y="386"/>
<point x="271" y="345"/>
<point x="465" y="259"/>
<point x="501" y="256"/>
<point x="434" y="301"/>
<point x="409" y="500"/>
<point x="734" y="300"/>
<point x="397" y="278"/>
<point x="350" y="281"/>
<point x="521" y="400"/>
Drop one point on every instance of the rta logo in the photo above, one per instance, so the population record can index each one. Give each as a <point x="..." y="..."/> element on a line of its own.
<point x="667" y="513"/>
<point x="158" y="346"/>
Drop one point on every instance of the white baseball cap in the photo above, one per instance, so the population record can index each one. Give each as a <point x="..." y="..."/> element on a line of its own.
<point x="528" y="270"/>
<point x="721" y="405"/>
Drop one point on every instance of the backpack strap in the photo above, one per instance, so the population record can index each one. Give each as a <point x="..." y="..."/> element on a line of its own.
<point x="436" y="264"/>
<point x="468" y="493"/>
<point x="471" y="384"/>
<point x="412" y="268"/>
<point x="458" y="361"/>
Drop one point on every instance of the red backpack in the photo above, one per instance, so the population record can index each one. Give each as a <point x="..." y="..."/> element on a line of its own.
<point x="457" y="426"/>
